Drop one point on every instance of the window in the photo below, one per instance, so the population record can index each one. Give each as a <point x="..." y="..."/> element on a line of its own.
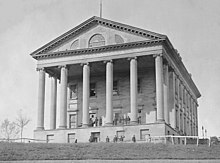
<point x="120" y="133"/>
<point x="74" y="45"/>
<point x="118" y="39"/>
<point x="181" y="123"/>
<point x="71" y="138"/>
<point x="115" y="88"/>
<point x="92" y="89"/>
<point x="96" y="40"/>
<point x="95" y="136"/>
<point x="176" y="86"/>
<point x="144" y="133"/>
<point x="180" y="92"/>
<point x="139" y="85"/>
<point x="72" y="121"/>
<point x="73" y="91"/>
<point x="50" y="138"/>
<point x="184" y="97"/>
<point x="177" y="119"/>
<point x="185" y="127"/>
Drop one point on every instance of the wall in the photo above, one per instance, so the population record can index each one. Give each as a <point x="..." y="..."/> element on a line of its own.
<point x="83" y="134"/>
<point x="121" y="102"/>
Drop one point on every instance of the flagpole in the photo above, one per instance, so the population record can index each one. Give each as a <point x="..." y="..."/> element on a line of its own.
<point x="100" y="8"/>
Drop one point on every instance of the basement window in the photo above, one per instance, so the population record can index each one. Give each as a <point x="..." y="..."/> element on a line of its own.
<point x="50" y="138"/>
<point x="71" y="137"/>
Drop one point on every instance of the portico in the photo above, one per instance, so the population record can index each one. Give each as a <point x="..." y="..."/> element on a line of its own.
<point x="63" y="77"/>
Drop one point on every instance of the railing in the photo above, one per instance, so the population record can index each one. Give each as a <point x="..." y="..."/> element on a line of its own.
<point x="23" y="140"/>
<point x="171" y="139"/>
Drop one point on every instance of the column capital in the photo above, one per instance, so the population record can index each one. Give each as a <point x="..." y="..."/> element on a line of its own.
<point x="130" y="58"/>
<point x="63" y="66"/>
<point x="40" y="69"/>
<point x="157" y="55"/>
<point x="87" y="63"/>
<point x="106" y="61"/>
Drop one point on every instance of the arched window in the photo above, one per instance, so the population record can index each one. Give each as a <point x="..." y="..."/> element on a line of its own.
<point x="96" y="40"/>
<point x="74" y="45"/>
<point x="118" y="39"/>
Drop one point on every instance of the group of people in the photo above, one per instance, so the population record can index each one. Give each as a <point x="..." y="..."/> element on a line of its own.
<point x="95" y="122"/>
<point x="124" y="120"/>
<point x="120" y="139"/>
<point x="121" y="120"/>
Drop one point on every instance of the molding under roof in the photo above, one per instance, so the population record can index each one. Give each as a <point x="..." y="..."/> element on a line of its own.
<point x="100" y="49"/>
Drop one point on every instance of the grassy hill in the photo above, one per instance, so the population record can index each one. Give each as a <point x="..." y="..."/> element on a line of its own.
<point x="109" y="151"/>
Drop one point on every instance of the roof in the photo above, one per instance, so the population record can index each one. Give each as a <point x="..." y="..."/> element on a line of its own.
<point x="93" y="21"/>
<point x="155" y="39"/>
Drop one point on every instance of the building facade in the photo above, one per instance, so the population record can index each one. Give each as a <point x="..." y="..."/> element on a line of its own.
<point x="114" y="79"/>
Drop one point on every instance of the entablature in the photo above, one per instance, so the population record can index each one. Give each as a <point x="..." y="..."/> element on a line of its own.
<point x="175" y="61"/>
<point x="98" y="55"/>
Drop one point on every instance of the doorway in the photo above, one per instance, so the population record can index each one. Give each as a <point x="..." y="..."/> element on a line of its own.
<point x="95" y="136"/>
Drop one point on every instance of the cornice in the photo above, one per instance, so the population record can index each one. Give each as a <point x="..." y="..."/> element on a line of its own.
<point x="93" y="22"/>
<point x="179" y="64"/>
<point x="100" y="49"/>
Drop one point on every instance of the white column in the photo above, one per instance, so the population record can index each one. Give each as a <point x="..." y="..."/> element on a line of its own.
<point x="133" y="90"/>
<point x="63" y="97"/>
<point x="172" y="101"/>
<point x="159" y="88"/>
<point x="178" y="101"/>
<point x="166" y="94"/>
<point x="53" y="102"/>
<point x="41" y="99"/>
<point x="181" y="107"/>
<point x="196" y="115"/>
<point x="109" y="93"/>
<point x="86" y="85"/>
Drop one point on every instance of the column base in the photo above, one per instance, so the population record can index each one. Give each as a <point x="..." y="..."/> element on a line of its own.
<point x="108" y="124"/>
<point x="85" y="125"/>
<point x="62" y="127"/>
<point x="40" y="128"/>
<point x="134" y="122"/>
<point x="161" y="120"/>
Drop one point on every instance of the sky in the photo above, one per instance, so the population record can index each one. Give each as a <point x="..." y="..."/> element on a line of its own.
<point x="193" y="27"/>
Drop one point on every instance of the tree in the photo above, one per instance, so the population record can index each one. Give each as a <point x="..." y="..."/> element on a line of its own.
<point x="9" y="130"/>
<point x="21" y="122"/>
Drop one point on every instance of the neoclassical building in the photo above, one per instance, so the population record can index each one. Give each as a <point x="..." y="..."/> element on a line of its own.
<point x="114" y="79"/>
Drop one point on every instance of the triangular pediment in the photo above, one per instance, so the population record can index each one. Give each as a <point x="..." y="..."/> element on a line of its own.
<point x="112" y="32"/>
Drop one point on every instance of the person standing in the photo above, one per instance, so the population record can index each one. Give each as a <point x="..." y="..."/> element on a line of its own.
<point x="100" y="121"/>
<point x="133" y="139"/>
<point x="96" y="122"/>
<point x="107" y="139"/>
